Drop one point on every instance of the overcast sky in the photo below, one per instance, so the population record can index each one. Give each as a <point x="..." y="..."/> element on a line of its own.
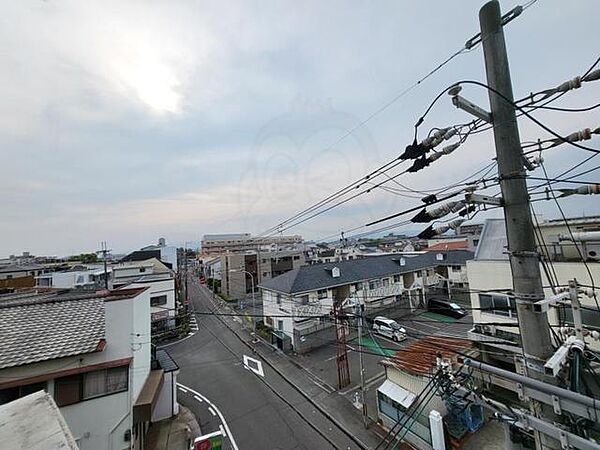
<point x="126" y="121"/>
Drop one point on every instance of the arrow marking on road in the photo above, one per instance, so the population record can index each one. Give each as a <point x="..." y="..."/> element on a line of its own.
<point x="254" y="365"/>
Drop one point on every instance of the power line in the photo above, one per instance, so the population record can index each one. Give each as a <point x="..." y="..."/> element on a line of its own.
<point x="469" y="45"/>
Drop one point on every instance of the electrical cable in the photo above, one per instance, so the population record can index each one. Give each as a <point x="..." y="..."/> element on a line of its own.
<point x="469" y="45"/>
<point x="566" y="222"/>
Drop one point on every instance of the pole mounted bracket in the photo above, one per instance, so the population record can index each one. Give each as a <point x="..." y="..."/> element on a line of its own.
<point x="471" y="108"/>
<point x="483" y="199"/>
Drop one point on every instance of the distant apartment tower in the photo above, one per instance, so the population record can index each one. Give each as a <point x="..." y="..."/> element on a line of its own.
<point x="239" y="242"/>
<point x="235" y="269"/>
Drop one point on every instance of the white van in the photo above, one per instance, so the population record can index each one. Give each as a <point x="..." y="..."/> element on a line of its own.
<point x="389" y="328"/>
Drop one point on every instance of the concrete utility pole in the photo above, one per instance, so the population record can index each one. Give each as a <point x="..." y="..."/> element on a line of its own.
<point x="105" y="250"/>
<point x="524" y="258"/>
<point x="360" y="312"/>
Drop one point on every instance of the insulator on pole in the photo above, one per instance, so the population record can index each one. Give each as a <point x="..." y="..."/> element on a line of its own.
<point x="588" y="189"/>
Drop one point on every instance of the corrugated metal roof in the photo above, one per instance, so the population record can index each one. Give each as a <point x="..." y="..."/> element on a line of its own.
<point x="453" y="245"/>
<point x="318" y="276"/>
<point x="493" y="242"/>
<point x="419" y="357"/>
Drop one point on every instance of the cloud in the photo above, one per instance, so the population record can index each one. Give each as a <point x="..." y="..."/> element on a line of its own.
<point x="123" y="120"/>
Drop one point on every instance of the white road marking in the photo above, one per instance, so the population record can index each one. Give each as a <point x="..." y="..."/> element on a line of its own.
<point x="182" y="389"/>
<point x="222" y="431"/>
<point x="212" y="411"/>
<point x="198" y="398"/>
<point x="225" y="426"/>
<point x="254" y="365"/>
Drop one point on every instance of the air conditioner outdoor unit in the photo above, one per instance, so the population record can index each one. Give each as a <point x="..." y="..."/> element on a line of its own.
<point x="592" y="251"/>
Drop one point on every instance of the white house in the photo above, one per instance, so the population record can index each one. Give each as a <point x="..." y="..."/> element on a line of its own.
<point x="92" y="354"/>
<point x="299" y="303"/>
<point x="490" y="277"/>
<point x="407" y="375"/>
<point x="161" y="288"/>
<point x="84" y="277"/>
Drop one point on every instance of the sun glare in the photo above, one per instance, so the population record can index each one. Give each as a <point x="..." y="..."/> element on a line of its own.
<point x="147" y="76"/>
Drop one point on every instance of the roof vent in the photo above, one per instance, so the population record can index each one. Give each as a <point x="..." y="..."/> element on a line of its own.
<point x="335" y="272"/>
<point x="439" y="256"/>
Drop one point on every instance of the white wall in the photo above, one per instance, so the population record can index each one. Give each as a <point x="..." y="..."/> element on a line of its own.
<point x="169" y="254"/>
<point x="157" y="288"/>
<point x="101" y="423"/>
<point x="166" y="404"/>
<point x="490" y="275"/>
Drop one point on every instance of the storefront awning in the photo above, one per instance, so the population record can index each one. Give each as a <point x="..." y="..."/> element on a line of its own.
<point x="397" y="393"/>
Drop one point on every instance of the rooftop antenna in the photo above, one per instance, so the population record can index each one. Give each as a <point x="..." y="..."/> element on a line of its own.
<point x="104" y="251"/>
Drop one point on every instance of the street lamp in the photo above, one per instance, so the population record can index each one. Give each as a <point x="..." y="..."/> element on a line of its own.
<point x="253" y="300"/>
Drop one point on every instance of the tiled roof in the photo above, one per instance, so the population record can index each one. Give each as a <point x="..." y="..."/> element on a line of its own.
<point x="419" y="357"/>
<point x="453" y="245"/>
<point x="20" y="268"/>
<point x="39" y="329"/>
<point x="319" y="276"/>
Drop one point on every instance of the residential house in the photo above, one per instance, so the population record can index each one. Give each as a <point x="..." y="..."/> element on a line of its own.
<point x="404" y="391"/>
<point x="81" y="276"/>
<point x="298" y="304"/>
<point x="160" y="281"/>
<point x="91" y="352"/>
<point x="490" y="279"/>
<point x="19" y="275"/>
<point x="167" y="254"/>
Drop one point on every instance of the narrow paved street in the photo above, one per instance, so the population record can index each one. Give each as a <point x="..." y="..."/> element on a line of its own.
<point x="244" y="399"/>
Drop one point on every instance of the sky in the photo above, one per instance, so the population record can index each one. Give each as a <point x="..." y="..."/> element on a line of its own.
<point x="127" y="121"/>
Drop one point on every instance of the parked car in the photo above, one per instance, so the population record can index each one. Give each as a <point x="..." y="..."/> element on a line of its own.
<point x="389" y="328"/>
<point x="446" y="308"/>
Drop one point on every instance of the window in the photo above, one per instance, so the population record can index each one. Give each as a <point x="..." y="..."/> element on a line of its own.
<point x="142" y="269"/>
<point x="158" y="300"/>
<point x="280" y="325"/>
<point x="590" y="318"/>
<point x="456" y="268"/>
<point x="321" y="294"/>
<point x="97" y="383"/>
<point x="396" y="278"/>
<point x="279" y="299"/>
<point x="386" y="282"/>
<point x="374" y="284"/>
<point x="296" y="258"/>
<point x="265" y="274"/>
<point x="10" y="394"/>
<point x="500" y="305"/>
<point x="9" y="277"/>
<point x="303" y="300"/>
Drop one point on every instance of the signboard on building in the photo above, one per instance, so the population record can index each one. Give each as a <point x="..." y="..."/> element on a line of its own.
<point x="211" y="441"/>
<point x="160" y="315"/>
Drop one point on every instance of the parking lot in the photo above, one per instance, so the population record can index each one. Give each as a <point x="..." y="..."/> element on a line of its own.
<point x="322" y="361"/>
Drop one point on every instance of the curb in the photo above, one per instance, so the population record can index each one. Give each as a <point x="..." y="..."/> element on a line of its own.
<point x="321" y="409"/>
